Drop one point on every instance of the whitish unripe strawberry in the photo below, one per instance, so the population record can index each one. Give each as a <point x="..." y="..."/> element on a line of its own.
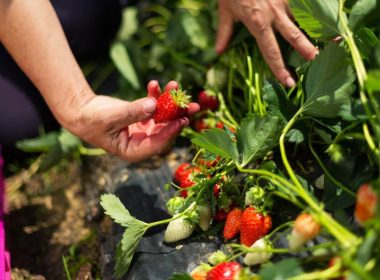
<point x="259" y="257"/>
<point x="320" y="182"/>
<point x="177" y="230"/>
<point x="205" y="215"/>
<point x="305" y="228"/>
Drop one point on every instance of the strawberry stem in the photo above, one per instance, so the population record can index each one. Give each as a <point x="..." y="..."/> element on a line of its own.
<point x="175" y="217"/>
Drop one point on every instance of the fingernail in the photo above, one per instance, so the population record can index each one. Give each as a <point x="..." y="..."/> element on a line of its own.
<point x="290" y="82"/>
<point x="149" y="105"/>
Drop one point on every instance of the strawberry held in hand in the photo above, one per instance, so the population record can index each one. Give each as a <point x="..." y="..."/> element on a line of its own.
<point x="171" y="105"/>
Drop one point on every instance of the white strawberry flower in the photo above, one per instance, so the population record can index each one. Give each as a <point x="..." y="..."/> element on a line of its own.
<point x="177" y="230"/>
<point x="258" y="257"/>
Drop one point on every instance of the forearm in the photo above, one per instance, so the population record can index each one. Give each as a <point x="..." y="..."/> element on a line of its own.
<point x="32" y="34"/>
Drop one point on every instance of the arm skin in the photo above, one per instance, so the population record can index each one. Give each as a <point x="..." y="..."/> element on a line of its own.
<point x="262" y="18"/>
<point x="31" y="32"/>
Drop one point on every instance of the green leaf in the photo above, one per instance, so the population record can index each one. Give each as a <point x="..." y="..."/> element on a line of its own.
<point x="53" y="157"/>
<point x="43" y="143"/>
<point x="362" y="12"/>
<point x="257" y="136"/>
<point x="351" y="172"/>
<point x="365" y="40"/>
<point x="329" y="83"/>
<point x="68" y="142"/>
<point x="127" y="247"/>
<point x="194" y="27"/>
<point x="129" y="24"/>
<point x="123" y="63"/>
<point x="281" y="270"/>
<point x="117" y="211"/>
<point x="373" y="80"/>
<point x="318" y="18"/>
<point x="295" y="136"/>
<point x="277" y="101"/>
<point x="217" y="141"/>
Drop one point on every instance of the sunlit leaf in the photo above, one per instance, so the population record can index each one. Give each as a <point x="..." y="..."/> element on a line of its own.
<point x="217" y="141"/>
<point x="318" y="18"/>
<point x="329" y="83"/>
<point x="257" y="136"/>
<point x="123" y="63"/>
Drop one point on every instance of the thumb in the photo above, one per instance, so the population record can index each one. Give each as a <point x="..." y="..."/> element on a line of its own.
<point x="225" y="27"/>
<point x="136" y="111"/>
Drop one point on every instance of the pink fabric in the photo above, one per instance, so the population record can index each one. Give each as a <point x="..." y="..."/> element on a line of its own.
<point x="5" y="264"/>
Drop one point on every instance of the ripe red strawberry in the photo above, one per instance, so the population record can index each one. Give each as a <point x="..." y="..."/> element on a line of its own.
<point x="366" y="204"/>
<point x="171" y="105"/>
<point x="181" y="171"/>
<point x="200" y="125"/>
<point x="220" y="215"/>
<point x="216" y="190"/>
<point x="187" y="179"/>
<point x="207" y="101"/>
<point x="254" y="225"/>
<point x="225" y="271"/>
<point x="233" y="222"/>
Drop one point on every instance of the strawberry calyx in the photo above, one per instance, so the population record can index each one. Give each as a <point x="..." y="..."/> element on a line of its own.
<point x="180" y="98"/>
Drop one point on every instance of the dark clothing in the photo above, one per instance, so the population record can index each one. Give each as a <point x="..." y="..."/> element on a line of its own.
<point x="90" y="26"/>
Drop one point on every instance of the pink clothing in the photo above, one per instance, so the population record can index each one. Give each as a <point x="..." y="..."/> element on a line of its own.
<point x="5" y="266"/>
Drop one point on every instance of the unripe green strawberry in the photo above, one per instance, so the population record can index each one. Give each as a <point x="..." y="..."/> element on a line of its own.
<point x="177" y="230"/>
<point x="233" y="223"/>
<point x="171" y="105"/>
<point x="205" y="215"/>
<point x="217" y="257"/>
<point x="305" y="228"/>
<point x="259" y="257"/>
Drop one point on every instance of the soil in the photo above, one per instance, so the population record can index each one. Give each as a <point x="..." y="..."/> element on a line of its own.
<point x="48" y="223"/>
<point x="55" y="225"/>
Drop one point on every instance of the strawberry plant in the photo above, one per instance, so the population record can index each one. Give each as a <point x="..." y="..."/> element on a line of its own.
<point x="294" y="173"/>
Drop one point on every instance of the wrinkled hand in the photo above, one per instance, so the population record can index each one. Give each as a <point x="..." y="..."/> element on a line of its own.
<point x="126" y="128"/>
<point x="262" y="17"/>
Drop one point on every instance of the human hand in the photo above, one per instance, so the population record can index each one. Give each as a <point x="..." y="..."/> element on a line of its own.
<point x="126" y="128"/>
<point x="262" y="18"/>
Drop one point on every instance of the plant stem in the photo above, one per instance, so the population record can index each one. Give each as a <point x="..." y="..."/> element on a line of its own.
<point x="175" y="217"/>
<point x="326" y="172"/>
<point x="344" y="236"/>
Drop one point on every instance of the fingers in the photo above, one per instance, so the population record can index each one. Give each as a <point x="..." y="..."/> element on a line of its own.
<point x="270" y="50"/>
<point x="153" y="89"/>
<point x="295" y="37"/>
<point x="141" y="146"/>
<point x="225" y="27"/>
<point x="135" y="111"/>
<point x="171" y="85"/>
<point x="193" y="108"/>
